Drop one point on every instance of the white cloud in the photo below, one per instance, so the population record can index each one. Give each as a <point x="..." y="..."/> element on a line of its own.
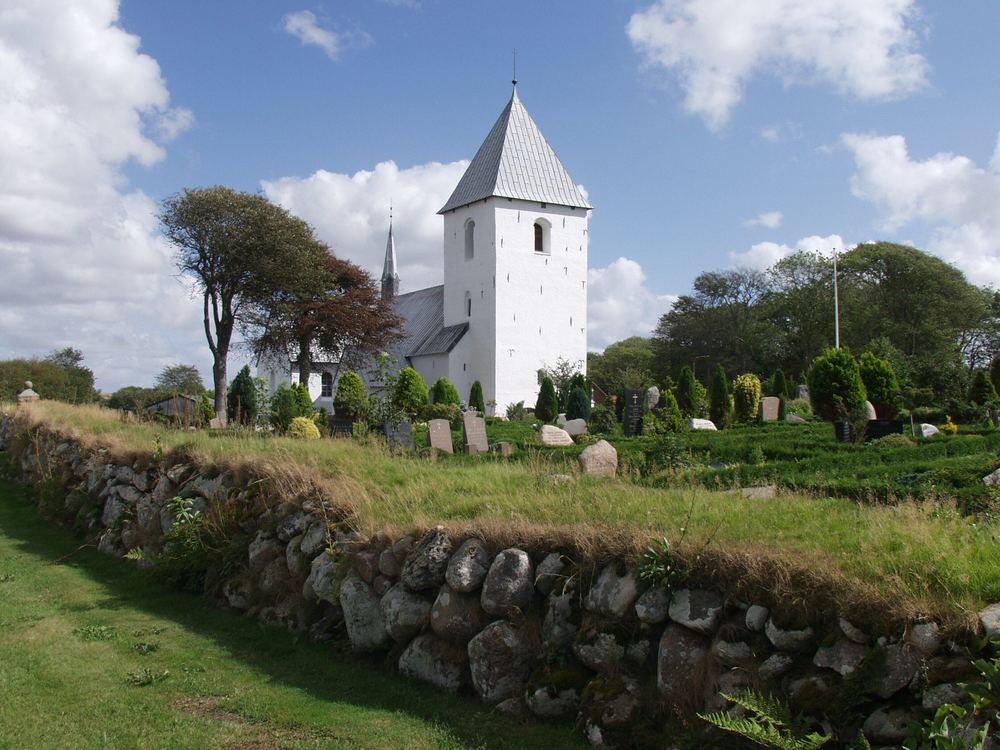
<point x="957" y="199"/>
<point x="305" y="26"/>
<point x="619" y="304"/>
<point x="83" y="262"/>
<point x="763" y="255"/>
<point x="769" y="219"/>
<point x="351" y="214"/>
<point x="866" y="48"/>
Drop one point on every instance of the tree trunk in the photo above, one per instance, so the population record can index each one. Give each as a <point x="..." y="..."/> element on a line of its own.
<point x="221" y="383"/>
<point x="305" y="362"/>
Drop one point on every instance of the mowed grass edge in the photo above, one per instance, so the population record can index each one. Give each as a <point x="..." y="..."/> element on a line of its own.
<point x="883" y="563"/>
<point x="78" y="639"/>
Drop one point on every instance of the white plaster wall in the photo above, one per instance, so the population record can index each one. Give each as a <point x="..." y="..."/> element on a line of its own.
<point x="473" y="358"/>
<point x="276" y="375"/>
<point x="431" y="367"/>
<point x="541" y="297"/>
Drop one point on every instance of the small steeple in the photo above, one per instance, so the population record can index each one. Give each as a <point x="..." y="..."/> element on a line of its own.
<point x="390" y="278"/>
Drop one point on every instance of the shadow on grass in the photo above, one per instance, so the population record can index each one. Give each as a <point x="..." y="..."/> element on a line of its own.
<point x="316" y="669"/>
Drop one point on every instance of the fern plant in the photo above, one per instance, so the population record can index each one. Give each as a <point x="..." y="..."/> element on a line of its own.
<point x="770" y="723"/>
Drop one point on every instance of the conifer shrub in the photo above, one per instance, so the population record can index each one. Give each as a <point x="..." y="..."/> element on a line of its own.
<point x="719" y="404"/>
<point x="686" y="393"/>
<point x="409" y="395"/>
<point x="835" y="386"/>
<point x="547" y="405"/>
<point x="443" y="392"/>
<point x="995" y="372"/>
<point x="779" y="384"/>
<point x="746" y="397"/>
<point x="578" y="406"/>
<point x="288" y="403"/>
<point x="303" y="428"/>
<point x="881" y="385"/>
<point x="981" y="391"/>
<point x="351" y="400"/>
<point x="476" y="397"/>
<point x="241" y="399"/>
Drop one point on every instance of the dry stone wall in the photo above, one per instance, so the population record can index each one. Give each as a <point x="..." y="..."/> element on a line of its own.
<point x="528" y="630"/>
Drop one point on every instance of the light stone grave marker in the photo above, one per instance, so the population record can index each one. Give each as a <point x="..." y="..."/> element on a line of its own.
<point x="474" y="433"/>
<point x="770" y="408"/>
<point x="440" y="435"/>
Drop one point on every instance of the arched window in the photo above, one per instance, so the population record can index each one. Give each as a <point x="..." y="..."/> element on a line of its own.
<point x="470" y="239"/>
<point x="539" y="238"/>
<point x="327" y="391"/>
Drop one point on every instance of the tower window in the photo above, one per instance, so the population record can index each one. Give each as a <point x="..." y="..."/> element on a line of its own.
<point x="470" y="239"/>
<point x="327" y="380"/>
<point x="539" y="238"/>
<point x="468" y="305"/>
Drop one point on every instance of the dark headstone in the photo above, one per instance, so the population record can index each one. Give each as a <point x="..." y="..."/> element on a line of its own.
<point x="341" y="428"/>
<point x="400" y="436"/>
<point x="879" y="428"/>
<point x="843" y="431"/>
<point x="440" y="435"/>
<point x="635" y="401"/>
<point x="474" y="433"/>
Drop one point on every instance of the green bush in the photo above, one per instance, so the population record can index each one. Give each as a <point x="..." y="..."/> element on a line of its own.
<point x="303" y="428"/>
<point x="206" y="412"/>
<point x="720" y="406"/>
<point x="981" y="391"/>
<point x="476" y="398"/>
<point x="351" y="400"/>
<point x="578" y="405"/>
<point x="800" y="407"/>
<point x="547" y="405"/>
<point x="602" y="420"/>
<point x="746" y="397"/>
<point x="451" y="412"/>
<point x="995" y="372"/>
<point x="516" y="412"/>
<point x="241" y="399"/>
<point x="409" y="395"/>
<point x="288" y="403"/>
<point x="779" y="385"/>
<point x="686" y="393"/>
<point x="443" y="392"/>
<point x="881" y="385"/>
<point x="835" y="386"/>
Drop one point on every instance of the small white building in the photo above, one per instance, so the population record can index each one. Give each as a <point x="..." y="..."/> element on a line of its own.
<point x="514" y="297"/>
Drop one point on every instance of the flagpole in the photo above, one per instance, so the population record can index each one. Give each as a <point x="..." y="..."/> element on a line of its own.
<point x="836" y="304"/>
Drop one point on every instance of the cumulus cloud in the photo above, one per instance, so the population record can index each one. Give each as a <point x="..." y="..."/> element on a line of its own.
<point x="763" y="255"/>
<point x="769" y="219"/>
<point x="948" y="193"/>
<point x="620" y="304"/>
<point x="83" y="262"/>
<point x="306" y="27"/>
<point x="350" y="213"/>
<point x="865" y="48"/>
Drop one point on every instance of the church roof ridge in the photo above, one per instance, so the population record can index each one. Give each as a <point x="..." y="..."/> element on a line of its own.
<point x="516" y="161"/>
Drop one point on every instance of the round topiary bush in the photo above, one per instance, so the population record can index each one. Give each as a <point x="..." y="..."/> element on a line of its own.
<point x="443" y="392"/>
<point x="410" y="392"/>
<point x="303" y="428"/>
<point x="835" y="386"/>
<point x="351" y="401"/>
<point x="746" y="397"/>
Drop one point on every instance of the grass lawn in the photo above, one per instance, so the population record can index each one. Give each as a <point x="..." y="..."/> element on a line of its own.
<point x="78" y="639"/>
<point x="884" y="561"/>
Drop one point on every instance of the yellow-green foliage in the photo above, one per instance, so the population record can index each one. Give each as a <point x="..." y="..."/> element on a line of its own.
<point x="746" y="397"/>
<point x="303" y="428"/>
<point x="949" y="427"/>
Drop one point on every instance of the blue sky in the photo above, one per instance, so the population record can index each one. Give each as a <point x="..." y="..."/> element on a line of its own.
<point x="708" y="134"/>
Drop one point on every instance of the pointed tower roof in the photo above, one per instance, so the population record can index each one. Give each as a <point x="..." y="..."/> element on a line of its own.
<point x="390" y="277"/>
<point x="515" y="161"/>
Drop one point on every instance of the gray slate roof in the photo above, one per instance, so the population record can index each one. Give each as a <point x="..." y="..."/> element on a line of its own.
<point x="424" y="331"/>
<point x="515" y="161"/>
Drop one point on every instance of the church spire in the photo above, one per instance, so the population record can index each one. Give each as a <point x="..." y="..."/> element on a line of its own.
<point x="390" y="278"/>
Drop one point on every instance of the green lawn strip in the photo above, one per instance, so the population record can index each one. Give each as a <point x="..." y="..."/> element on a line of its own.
<point x="72" y="677"/>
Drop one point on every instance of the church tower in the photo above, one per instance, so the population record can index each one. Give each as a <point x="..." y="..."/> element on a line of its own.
<point x="515" y="263"/>
<point x="390" y="278"/>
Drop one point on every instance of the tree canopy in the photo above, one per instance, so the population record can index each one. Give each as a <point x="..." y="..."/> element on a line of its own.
<point x="180" y="379"/>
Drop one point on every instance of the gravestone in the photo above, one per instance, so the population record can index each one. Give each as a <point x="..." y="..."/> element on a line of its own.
<point x="505" y="449"/>
<point x="215" y="423"/>
<point x="27" y="395"/>
<point x="770" y="408"/>
<point x="635" y="401"/>
<point x="440" y="435"/>
<point x="652" y="397"/>
<point x="802" y="392"/>
<point x="880" y="428"/>
<point x="399" y="436"/>
<point x="474" y="433"/>
<point x="341" y="428"/>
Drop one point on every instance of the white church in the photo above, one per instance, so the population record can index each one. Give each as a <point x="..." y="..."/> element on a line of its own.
<point x="514" y="297"/>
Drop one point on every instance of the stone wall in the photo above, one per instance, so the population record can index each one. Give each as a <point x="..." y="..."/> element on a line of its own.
<point x="528" y="630"/>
